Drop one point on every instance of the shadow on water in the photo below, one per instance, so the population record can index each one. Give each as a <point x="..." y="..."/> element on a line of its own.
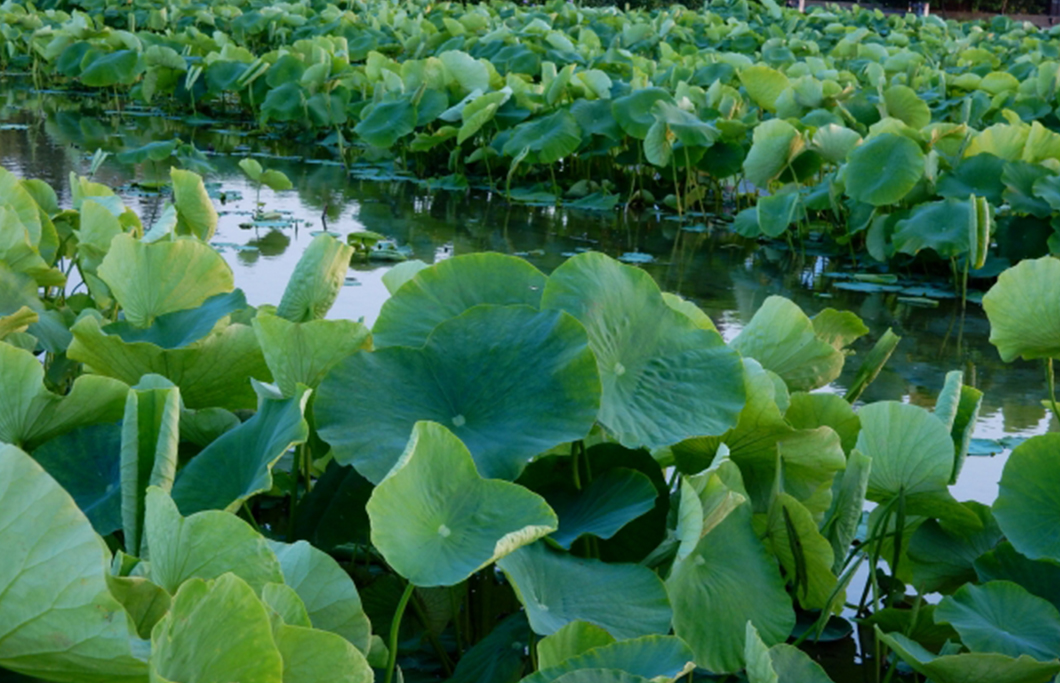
<point x="727" y="276"/>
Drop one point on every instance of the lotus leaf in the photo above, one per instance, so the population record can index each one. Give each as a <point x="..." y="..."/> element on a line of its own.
<point x="304" y="353"/>
<point x="1000" y="616"/>
<point x="316" y="280"/>
<point x="972" y="667"/>
<point x="574" y="639"/>
<point x="1027" y="507"/>
<point x="1024" y="315"/>
<point x="884" y="169"/>
<point x="648" y="656"/>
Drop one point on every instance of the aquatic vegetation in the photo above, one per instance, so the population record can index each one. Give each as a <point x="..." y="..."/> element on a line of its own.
<point x="902" y="136"/>
<point x="512" y="475"/>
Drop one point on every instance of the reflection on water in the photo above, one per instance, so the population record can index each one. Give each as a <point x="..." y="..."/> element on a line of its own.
<point x="727" y="276"/>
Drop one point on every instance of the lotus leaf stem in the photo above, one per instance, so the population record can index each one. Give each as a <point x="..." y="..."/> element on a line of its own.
<point x="395" y="628"/>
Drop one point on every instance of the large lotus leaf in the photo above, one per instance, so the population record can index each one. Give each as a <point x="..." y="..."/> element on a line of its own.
<point x="310" y="656"/>
<point x="1024" y="311"/>
<point x="707" y="499"/>
<point x="304" y="353"/>
<point x="181" y="328"/>
<point x="947" y="227"/>
<point x="550" y="138"/>
<point x="86" y="463"/>
<point x="731" y="577"/>
<point x="781" y="663"/>
<point x="689" y="129"/>
<point x="471" y="74"/>
<point x="145" y="601"/>
<point x="776" y="212"/>
<point x="57" y="618"/>
<point x="17" y="198"/>
<point x="437" y="522"/>
<point x="215" y="631"/>
<point x="195" y="213"/>
<point x="1001" y="616"/>
<point x="774" y="144"/>
<point x="873" y="362"/>
<point x="450" y="287"/>
<point x="104" y="70"/>
<point x="326" y="590"/>
<point x="958" y="407"/>
<point x="784" y="340"/>
<point x="911" y="450"/>
<point x="884" y="169"/>
<point x="238" y="465"/>
<point x="557" y="589"/>
<point x="205" y="545"/>
<point x="150" y="435"/>
<point x="653" y="360"/>
<point x="19" y="253"/>
<point x="634" y="111"/>
<point x="30" y="414"/>
<point x="316" y="280"/>
<point x="979" y="175"/>
<point x="1028" y="502"/>
<point x="150" y="280"/>
<point x="498" y="657"/>
<point x="212" y="372"/>
<point x="810" y="411"/>
<point x="904" y="104"/>
<point x="806" y="555"/>
<point x="764" y="85"/>
<point x="1003" y="563"/>
<point x="652" y="657"/>
<point x="971" y="667"/>
<point x="387" y="122"/>
<point x="943" y="555"/>
<point x="834" y="142"/>
<point x="511" y="382"/>
<point x="607" y="504"/>
<point x="401" y="273"/>
<point x="572" y="640"/>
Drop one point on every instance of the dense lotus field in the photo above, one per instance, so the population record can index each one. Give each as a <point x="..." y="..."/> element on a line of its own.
<point x="509" y="477"/>
<point x="899" y="136"/>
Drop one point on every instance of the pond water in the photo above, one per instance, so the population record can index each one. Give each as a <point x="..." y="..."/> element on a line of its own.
<point x="727" y="276"/>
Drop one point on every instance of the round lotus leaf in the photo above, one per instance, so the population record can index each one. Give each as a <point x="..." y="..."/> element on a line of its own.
<point x="1001" y="616"/>
<point x="1024" y="310"/>
<point x="883" y="170"/>
<point x="509" y="381"/>
<point x="450" y="287"/>
<point x="904" y="104"/>
<point x="774" y="144"/>
<point x="911" y="450"/>
<point x="634" y="111"/>
<point x="654" y="361"/>
<point x="437" y="522"/>
<point x="764" y="85"/>
<point x="1028" y="504"/>
<point x="969" y="667"/>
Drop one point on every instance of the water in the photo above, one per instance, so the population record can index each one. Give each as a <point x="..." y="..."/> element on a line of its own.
<point x="725" y="275"/>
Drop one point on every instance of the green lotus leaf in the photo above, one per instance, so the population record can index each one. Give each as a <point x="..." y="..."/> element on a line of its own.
<point x="150" y="280"/>
<point x="784" y="340"/>
<point x="774" y="144"/>
<point x="689" y="129"/>
<point x="316" y="280"/>
<point x="904" y="104"/>
<point x="401" y="273"/>
<point x="212" y="372"/>
<point x="652" y="657"/>
<point x="911" y="450"/>
<point x="238" y="465"/>
<point x="387" y="122"/>
<point x="943" y="555"/>
<point x="1003" y="617"/>
<point x="733" y="578"/>
<point x="304" y="353"/>
<point x="633" y="112"/>
<point x="1024" y="315"/>
<point x="979" y="175"/>
<point x="971" y="667"/>
<point x="806" y="555"/>
<point x="104" y="70"/>
<point x="647" y="352"/>
<point x="449" y="288"/>
<point x="958" y="408"/>
<point x="607" y="504"/>
<point x="557" y="589"/>
<point x="330" y="598"/>
<point x="17" y="322"/>
<point x="85" y="463"/>
<point x="511" y="382"/>
<point x="145" y="602"/>
<point x="276" y="181"/>
<point x="150" y="434"/>
<point x="1028" y="502"/>
<point x="884" y="169"/>
<point x="30" y="414"/>
<point x="1003" y="563"/>
<point x="690" y="311"/>
<point x="870" y="367"/>
<point x="310" y="656"/>
<point x="57" y="618"/>
<point x="574" y="639"/>
<point x="205" y="545"/>
<point x="479" y="112"/>
<point x="20" y="254"/>
<point x="181" y="328"/>
<point x="284" y="103"/>
<point x="215" y="631"/>
<point x="778" y="211"/>
<point x="195" y="213"/>
<point x="550" y="138"/>
<point x="437" y="522"/>
<point x="810" y="411"/>
<point x="764" y="85"/>
<point x="834" y="142"/>
<point x="332" y="513"/>
<point x="601" y="676"/>
<point x="947" y="227"/>
<point x="707" y="499"/>
<point x="497" y="657"/>
<point x="844" y="516"/>
<point x="781" y="663"/>
<point x="284" y="601"/>
<point x="470" y="73"/>
<point x="17" y="198"/>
